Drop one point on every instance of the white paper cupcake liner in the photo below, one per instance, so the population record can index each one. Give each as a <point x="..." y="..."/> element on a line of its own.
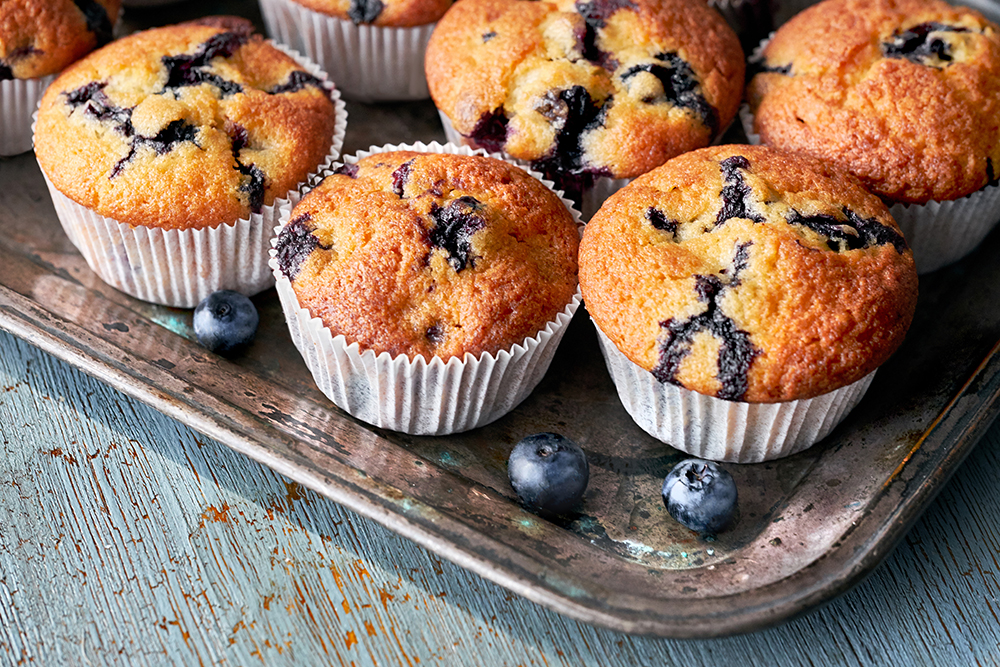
<point x="720" y="430"/>
<point x="179" y="268"/>
<point x="417" y="396"/>
<point x="593" y="197"/>
<point x="368" y="63"/>
<point x="18" y="100"/>
<point x="943" y="232"/>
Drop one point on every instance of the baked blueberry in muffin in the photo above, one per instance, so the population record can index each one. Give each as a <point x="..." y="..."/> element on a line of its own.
<point x="587" y="89"/>
<point x="749" y="274"/>
<point x="432" y="255"/>
<point x="183" y="127"/>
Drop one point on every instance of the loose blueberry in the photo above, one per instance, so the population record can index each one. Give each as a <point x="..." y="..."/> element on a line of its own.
<point x="548" y="472"/>
<point x="225" y="322"/>
<point x="700" y="495"/>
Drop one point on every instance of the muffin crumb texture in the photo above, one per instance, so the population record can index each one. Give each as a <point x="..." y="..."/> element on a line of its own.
<point x="184" y="127"/>
<point x="905" y="94"/>
<point x="431" y="254"/>
<point x="749" y="274"/>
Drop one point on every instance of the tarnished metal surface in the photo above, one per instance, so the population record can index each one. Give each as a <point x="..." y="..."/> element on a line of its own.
<point x="811" y="525"/>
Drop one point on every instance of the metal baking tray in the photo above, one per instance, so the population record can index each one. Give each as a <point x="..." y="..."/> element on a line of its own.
<point x="811" y="526"/>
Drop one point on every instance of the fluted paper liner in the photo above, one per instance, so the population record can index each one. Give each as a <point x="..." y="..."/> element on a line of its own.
<point x="593" y="197"/>
<point x="179" y="268"/>
<point x="18" y="100"/>
<point x="938" y="232"/>
<point x="719" y="430"/>
<point x="417" y="396"/>
<point x="368" y="63"/>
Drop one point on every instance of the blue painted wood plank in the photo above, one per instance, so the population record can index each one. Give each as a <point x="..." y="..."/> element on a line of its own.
<point x="127" y="538"/>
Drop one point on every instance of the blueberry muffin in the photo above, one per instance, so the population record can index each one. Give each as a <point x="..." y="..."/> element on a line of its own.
<point x="386" y="13"/>
<point x="584" y="90"/>
<point x="41" y="37"/>
<point x="183" y="127"/>
<point x="166" y="151"/>
<point x="749" y="275"/>
<point x="38" y="38"/>
<point x="431" y="254"/>
<point x="905" y="94"/>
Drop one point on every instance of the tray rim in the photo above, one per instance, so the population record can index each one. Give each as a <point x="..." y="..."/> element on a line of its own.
<point x="852" y="558"/>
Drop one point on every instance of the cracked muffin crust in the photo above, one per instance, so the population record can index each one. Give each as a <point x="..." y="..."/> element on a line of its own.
<point x="383" y="13"/>
<point x="749" y="274"/>
<point x="905" y="94"/>
<point x="431" y="254"/>
<point x="42" y="37"/>
<point x="183" y="127"/>
<point x="589" y="88"/>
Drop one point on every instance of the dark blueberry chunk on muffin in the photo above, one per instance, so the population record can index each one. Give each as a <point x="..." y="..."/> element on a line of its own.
<point x="660" y="221"/>
<point x="192" y="69"/>
<point x="349" y="170"/>
<point x="736" y="352"/>
<point x="922" y="44"/>
<point x="297" y="80"/>
<point x="680" y="87"/>
<point x="490" y="131"/>
<point x="851" y="234"/>
<point x="736" y="196"/>
<point x="399" y="178"/>
<point x="365" y="11"/>
<point x="454" y="226"/>
<point x="295" y="243"/>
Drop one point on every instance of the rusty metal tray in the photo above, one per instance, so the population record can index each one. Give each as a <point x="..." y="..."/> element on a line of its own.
<point x="811" y="525"/>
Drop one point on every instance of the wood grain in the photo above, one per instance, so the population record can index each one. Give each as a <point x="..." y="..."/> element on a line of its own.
<point x="126" y="538"/>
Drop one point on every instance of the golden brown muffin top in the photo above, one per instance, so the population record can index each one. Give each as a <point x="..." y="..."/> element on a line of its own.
<point x="749" y="274"/>
<point x="382" y="13"/>
<point x="431" y="254"/>
<point x="41" y="37"/>
<point x="583" y="89"/>
<point x="905" y="94"/>
<point x="183" y="127"/>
